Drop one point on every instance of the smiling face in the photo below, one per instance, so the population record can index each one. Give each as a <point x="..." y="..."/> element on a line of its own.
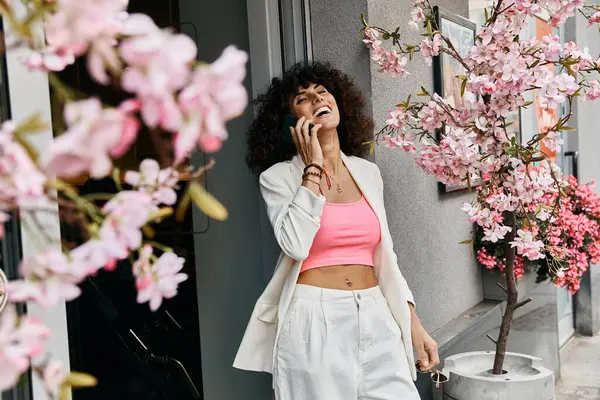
<point x="317" y="104"/>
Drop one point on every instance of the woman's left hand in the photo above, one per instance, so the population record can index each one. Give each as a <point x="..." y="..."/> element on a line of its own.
<point x="426" y="347"/>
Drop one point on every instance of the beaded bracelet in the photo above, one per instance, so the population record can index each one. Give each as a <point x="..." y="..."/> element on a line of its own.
<point x="323" y="171"/>
<point x="307" y="173"/>
<point x="313" y="165"/>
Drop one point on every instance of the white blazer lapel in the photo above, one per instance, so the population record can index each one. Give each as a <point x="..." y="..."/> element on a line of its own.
<point x="366" y="184"/>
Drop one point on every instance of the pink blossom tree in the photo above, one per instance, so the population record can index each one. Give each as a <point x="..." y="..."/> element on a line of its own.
<point x="461" y="146"/>
<point x="169" y="92"/>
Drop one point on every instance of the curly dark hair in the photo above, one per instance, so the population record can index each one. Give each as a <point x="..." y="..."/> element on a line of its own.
<point x="266" y="146"/>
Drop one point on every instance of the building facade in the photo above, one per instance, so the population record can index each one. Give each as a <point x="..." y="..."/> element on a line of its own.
<point x="231" y="262"/>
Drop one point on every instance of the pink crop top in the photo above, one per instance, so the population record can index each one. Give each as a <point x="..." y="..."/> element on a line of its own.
<point x="348" y="234"/>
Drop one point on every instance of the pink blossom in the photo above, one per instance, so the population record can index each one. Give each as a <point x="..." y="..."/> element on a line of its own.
<point x="54" y="374"/>
<point x="432" y="116"/>
<point x="159" y="280"/>
<point x="215" y="95"/>
<point x="372" y="39"/>
<point x="159" y="66"/>
<point x="20" y="180"/>
<point x="555" y="88"/>
<point x="79" y="26"/>
<point x="430" y="48"/>
<point x="20" y="340"/>
<point x="595" y="18"/>
<point x="94" y="135"/>
<point x="49" y="59"/>
<point x="399" y="142"/>
<point x="210" y="144"/>
<point x="593" y="91"/>
<point x="496" y="233"/>
<point x="398" y="119"/>
<point x="126" y="213"/>
<point x="48" y="279"/>
<point x="527" y="246"/>
<point x="154" y="181"/>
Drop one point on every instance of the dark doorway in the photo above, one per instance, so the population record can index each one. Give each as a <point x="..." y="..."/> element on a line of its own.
<point x="134" y="353"/>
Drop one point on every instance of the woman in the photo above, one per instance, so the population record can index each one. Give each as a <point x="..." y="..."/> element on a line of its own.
<point x="337" y="319"/>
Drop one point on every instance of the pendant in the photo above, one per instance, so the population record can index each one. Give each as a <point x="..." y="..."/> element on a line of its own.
<point x="339" y="188"/>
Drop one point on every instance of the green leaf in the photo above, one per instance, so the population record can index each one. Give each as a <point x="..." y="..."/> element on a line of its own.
<point x="206" y="202"/>
<point x="116" y="175"/>
<point x="487" y="15"/>
<point x="566" y="128"/>
<point x="372" y="148"/>
<point x="29" y="149"/>
<point x="468" y="241"/>
<point x="32" y="124"/>
<point x="527" y="104"/>
<point x="385" y="36"/>
<point x="364" y="22"/>
<point x="463" y="86"/>
<point x="535" y="64"/>
<point x="429" y="29"/>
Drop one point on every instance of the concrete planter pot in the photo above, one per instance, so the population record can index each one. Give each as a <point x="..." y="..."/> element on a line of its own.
<point x="470" y="378"/>
<point x="491" y="291"/>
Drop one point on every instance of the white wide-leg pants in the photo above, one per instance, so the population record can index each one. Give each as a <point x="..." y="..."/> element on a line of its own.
<point x="341" y="345"/>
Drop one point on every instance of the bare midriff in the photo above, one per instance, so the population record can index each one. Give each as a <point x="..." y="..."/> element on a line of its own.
<point x="341" y="277"/>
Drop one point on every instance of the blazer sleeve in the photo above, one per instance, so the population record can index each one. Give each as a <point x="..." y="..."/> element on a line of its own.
<point x="294" y="211"/>
<point x="386" y="229"/>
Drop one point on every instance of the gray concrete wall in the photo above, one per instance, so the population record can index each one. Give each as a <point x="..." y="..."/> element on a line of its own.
<point x="425" y="226"/>
<point x="230" y="269"/>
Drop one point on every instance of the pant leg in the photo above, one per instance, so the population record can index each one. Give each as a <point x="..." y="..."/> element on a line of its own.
<point x="317" y="352"/>
<point x="384" y="365"/>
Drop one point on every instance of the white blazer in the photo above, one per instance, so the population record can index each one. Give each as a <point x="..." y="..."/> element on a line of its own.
<point x="295" y="214"/>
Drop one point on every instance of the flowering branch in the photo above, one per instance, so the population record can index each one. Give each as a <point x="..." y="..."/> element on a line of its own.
<point x="466" y="138"/>
<point x="172" y="95"/>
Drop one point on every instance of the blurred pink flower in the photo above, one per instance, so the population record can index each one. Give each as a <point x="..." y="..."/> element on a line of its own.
<point x="94" y="135"/>
<point x="48" y="279"/>
<point x="154" y="181"/>
<point x="215" y="95"/>
<point x="430" y="48"/>
<point x="20" y="179"/>
<point x="210" y="144"/>
<point x="126" y="213"/>
<point x="77" y="23"/>
<point x="49" y="59"/>
<point x="159" y="66"/>
<point x="159" y="280"/>
<point x="20" y="340"/>
<point x="54" y="374"/>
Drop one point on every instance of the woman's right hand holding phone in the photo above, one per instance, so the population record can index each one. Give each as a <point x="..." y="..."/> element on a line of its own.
<point x="307" y="143"/>
<point x="309" y="148"/>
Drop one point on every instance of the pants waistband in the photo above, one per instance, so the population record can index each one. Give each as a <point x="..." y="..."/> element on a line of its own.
<point x="335" y="295"/>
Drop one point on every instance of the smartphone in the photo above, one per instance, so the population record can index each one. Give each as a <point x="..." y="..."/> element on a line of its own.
<point x="290" y="121"/>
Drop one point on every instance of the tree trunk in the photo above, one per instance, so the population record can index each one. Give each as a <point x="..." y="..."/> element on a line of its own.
<point x="511" y="293"/>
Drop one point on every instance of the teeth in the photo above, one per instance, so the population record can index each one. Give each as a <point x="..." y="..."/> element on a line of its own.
<point x="320" y="110"/>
